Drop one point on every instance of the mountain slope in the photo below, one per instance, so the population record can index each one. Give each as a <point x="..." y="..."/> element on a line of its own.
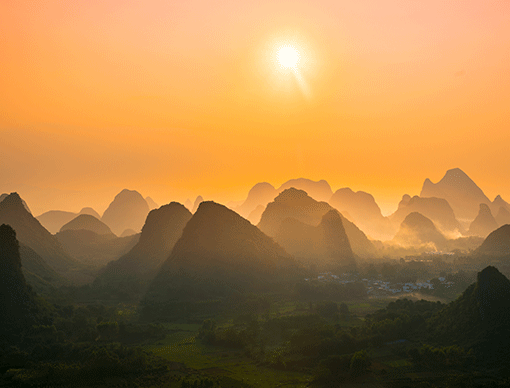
<point x="364" y="212"/>
<point x="128" y="210"/>
<point x="161" y="231"/>
<point x="436" y="209"/>
<point x="220" y="253"/>
<point x="463" y="195"/>
<point x="31" y="233"/>
<point x="259" y="195"/>
<point x="320" y="190"/>
<point x="479" y="318"/>
<point x="18" y="305"/>
<point x="294" y="203"/>
<point x="497" y="243"/>
<point x="417" y="230"/>
<point x="87" y="222"/>
<point x="326" y="244"/>
<point x="484" y="223"/>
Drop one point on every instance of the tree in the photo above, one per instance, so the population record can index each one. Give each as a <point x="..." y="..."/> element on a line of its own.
<point x="359" y="363"/>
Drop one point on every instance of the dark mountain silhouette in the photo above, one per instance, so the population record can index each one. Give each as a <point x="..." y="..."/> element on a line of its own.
<point x="320" y="190"/>
<point x="484" y="223"/>
<point x="4" y="195"/>
<point x="127" y="211"/>
<point x="497" y="243"/>
<point x="197" y="202"/>
<point x="221" y="253"/>
<point x="152" y="205"/>
<point x="87" y="222"/>
<point x="463" y="195"/>
<point x="39" y="275"/>
<point x="259" y="195"/>
<point x="479" y="318"/>
<point x="325" y="244"/>
<point x="53" y="220"/>
<point x="417" y="230"/>
<point x="128" y="232"/>
<point x="294" y="203"/>
<point x="256" y="214"/>
<point x="161" y="231"/>
<point x="90" y="212"/>
<point x="31" y="233"/>
<point x="436" y="209"/>
<point x="95" y="249"/>
<point x="502" y="217"/>
<point x="363" y="211"/>
<point x="18" y="306"/>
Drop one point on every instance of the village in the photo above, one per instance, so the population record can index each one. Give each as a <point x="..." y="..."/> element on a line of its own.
<point x="380" y="287"/>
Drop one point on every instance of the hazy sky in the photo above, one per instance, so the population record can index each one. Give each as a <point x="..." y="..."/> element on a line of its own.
<point x="180" y="98"/>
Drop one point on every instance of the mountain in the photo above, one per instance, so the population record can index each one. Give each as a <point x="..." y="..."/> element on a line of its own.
<point x="90" y="212"/>
<point x="417" y="230"/>
<point x="292" y="203"/>
<point x="497" y="243"/>
<point x="326" y="244"/>
<point x="152" y="205"/>
<point x="484" y="223"/>
<point x="161" y="231"/>
<point x="87" y="222"/>
<point x="128" y="232"/>
<point x="39" y="275"/>
<point x="18" y="305"/>
<point x="499" y="203"/>
<point x="297" y="204"/>
<point x="502" y="217"/>
<point x="463" y="195"/>
<point x="220" y="253"/>
<point x="31" y="233"/>
<point x="436" y="209"/>
<point x="197" y="202"/>
<point x="320" y="191"/>
<point x="127" y="211"/>
<point x="259" y="195"/>
<point x="188" y="204"/>
<point x="256" y="214"/>
<point x="479" y="318"/>
<point x="94" y="249"/>
<point x="363" y="211"/>
<point x="53" y="220"/>
<point x="4" y="195"/>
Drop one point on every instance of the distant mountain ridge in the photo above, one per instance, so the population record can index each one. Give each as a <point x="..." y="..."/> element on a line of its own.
<point x="53" y="220"/>
<point x="87" y="222"/>
<point x="436" y="209"/>
<point x="294" y="203"/>
<point x="362" y="209"/>
<point x="463" y="195"/>
<point x="484" y="223"/>
<point x="128" y="210"/>
<point x="325" y="245"/>
<point x="417" y="230"/>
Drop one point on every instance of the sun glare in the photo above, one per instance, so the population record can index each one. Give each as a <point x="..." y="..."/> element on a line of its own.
<point x="288" y="57"/>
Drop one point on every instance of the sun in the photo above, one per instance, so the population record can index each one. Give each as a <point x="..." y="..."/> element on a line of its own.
<point x="288" y="57"/>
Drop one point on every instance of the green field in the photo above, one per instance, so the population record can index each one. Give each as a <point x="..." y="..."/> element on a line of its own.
<point x="183" y="347"/>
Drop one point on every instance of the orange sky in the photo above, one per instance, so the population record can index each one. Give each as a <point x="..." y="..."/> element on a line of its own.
<point x="177" y="99"/>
